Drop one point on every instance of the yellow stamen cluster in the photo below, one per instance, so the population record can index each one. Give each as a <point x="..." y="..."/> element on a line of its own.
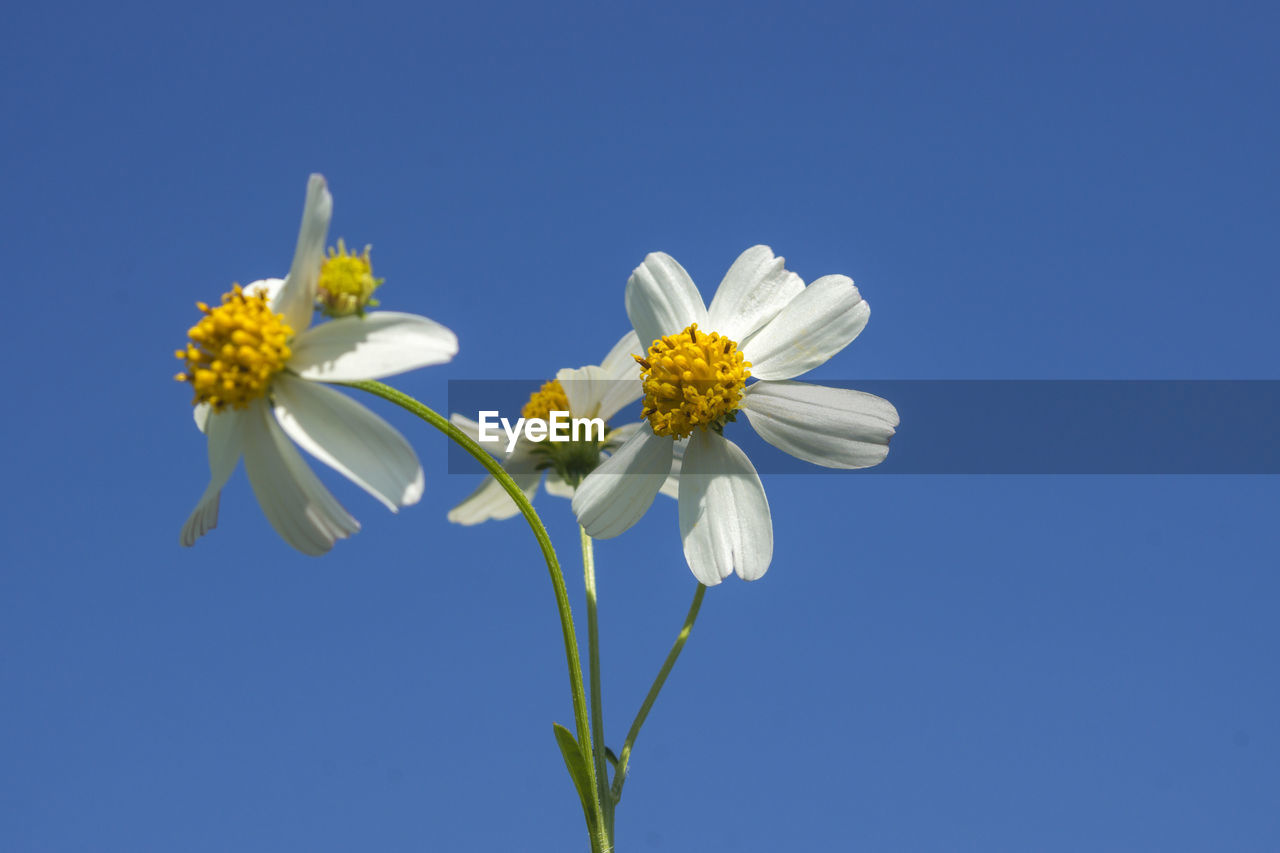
<point x="693" y="379"/>
<point x="235" y="350"/>
<point x="549" y="398"/>
<point x="346" y="283"/>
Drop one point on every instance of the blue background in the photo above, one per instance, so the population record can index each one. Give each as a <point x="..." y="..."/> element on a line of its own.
<point x="1084" y="190"/>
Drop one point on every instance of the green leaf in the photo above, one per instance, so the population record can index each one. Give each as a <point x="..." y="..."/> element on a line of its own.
<point x="576" y="763"/>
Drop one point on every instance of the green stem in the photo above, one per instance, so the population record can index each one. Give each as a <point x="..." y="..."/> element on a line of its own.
<point x="593" y="662"/>
<point x="620" y="773"/>
<point x="599" y="841"/>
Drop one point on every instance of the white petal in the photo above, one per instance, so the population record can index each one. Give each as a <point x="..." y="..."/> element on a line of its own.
<point x="620" y="435"/>
<point x="226" y="439"/>
<point x="662" y="299"/>
<point x="381" y="343"/>
<point x="816" y="325"/>
<point x="835" y="427"/>
<point x="557" y="486"/>
<point x="593" y="393"/>
<point x="296" y="503"/>
<point x="350" y="439"/>
<point x="619" y="363"/>
<point x="624" y="372"/>
<point x="296" y="300"/>
<point x="201" y="415"/>
<point x="584" y="387"/>
<point x="724" y="515"/>
<point x="753" y="291"/>
<point x="617" y="437"/>
<point x="491" y="502"/>
<point x="614" y="496"/>
<point x="671" y="485"/>
<point x="620" y="394"/>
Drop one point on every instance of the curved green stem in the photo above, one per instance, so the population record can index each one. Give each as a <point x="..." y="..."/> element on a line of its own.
<point x="599" y="841"/>
<point x="620" y="774"/>
<point x="593" y="662"/>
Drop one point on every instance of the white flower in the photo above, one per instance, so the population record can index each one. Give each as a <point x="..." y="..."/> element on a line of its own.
<point x="594" y="391"/>
<point x="257" y="367"/>
<point x="765" y="324"/>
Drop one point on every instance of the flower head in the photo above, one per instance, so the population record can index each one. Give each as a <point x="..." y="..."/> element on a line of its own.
<point x="764" y="325"/>
<point x="593" y="391"/>
<point x="692" y="381"/>
<point x="235" y="350"/>
<point x="257" y="367"/>
<point x="346" y="282"/>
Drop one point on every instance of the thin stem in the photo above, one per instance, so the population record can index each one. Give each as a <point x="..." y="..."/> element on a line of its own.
<point x="620" y="774"/>
<point x="593" y="662"/>
<point x="599" y="841"/>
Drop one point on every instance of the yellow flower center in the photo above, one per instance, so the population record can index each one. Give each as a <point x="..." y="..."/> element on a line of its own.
<point x="235" y="350"/>
<point x="692" y="380"/>
<point x="346" y="283"/>
<point x="549" y="398"/>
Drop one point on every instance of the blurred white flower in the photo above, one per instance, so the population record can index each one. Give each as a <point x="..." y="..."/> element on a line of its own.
<point x="594" y="391"/>
<point x="256" y="365"/>
<point x="763" y="323"/>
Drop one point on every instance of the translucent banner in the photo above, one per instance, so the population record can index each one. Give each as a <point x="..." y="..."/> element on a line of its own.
<point x="993" y="426"/>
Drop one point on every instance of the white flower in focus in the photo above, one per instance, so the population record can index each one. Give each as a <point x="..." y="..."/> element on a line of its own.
<point x="763" y="323"/>
<point x="257" y="365"/>
<point x="594" y="391"/>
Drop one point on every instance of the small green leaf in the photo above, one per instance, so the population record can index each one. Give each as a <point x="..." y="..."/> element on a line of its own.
<point x="576" y="764"/>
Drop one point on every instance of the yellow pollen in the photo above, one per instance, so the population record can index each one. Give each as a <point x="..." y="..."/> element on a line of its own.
<point x="346" y="282"/>
<point x="235" y="350"/>
<point x="549" y="398"/>
<point x="693" y="379"/>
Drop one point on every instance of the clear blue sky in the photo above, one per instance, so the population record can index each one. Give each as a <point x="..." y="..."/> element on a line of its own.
<point x="986" y="663"/>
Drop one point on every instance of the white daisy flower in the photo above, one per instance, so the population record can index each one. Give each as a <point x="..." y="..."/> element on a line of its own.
<point x="594" y="391"/>
<point x="764" y="324"/>
<point x="257" y="366"/>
